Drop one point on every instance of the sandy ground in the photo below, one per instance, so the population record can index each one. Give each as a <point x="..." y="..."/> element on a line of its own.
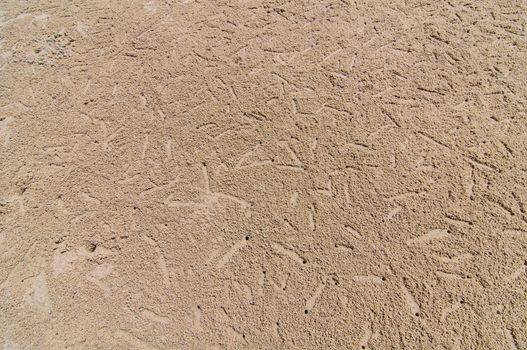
<point x="332" y="174"/>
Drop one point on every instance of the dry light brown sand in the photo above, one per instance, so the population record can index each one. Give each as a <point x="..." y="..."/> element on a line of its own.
<point x="334" y="174"/>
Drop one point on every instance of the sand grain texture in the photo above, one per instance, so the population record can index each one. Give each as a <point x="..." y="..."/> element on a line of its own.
<point x="263" y="174"/>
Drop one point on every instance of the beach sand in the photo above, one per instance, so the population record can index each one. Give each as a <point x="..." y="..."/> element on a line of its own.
<point x="331" y="174"/>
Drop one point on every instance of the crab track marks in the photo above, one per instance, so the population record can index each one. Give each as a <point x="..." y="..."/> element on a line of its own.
<point x="230" y="253"/>
<point x="368" y="279"/>
<point x="413" y="306"/>
<point x="194" y="169"/>
<point x="154" y="317"/>
<point x="431" y="235"/>
<point x="281" y="250"/>
<point x="310" y="303"/>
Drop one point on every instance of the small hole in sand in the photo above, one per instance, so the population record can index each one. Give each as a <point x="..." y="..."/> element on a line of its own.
<point x="306" y="311"/>
<point x="199" y="307"/>
<point x="417" y="314"/>
<point x="304" y="261"/>
<point x="247" y="238"/>
<point x="383" y="278"/>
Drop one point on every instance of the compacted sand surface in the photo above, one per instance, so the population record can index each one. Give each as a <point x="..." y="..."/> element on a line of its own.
<point x="331" y="174"/>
